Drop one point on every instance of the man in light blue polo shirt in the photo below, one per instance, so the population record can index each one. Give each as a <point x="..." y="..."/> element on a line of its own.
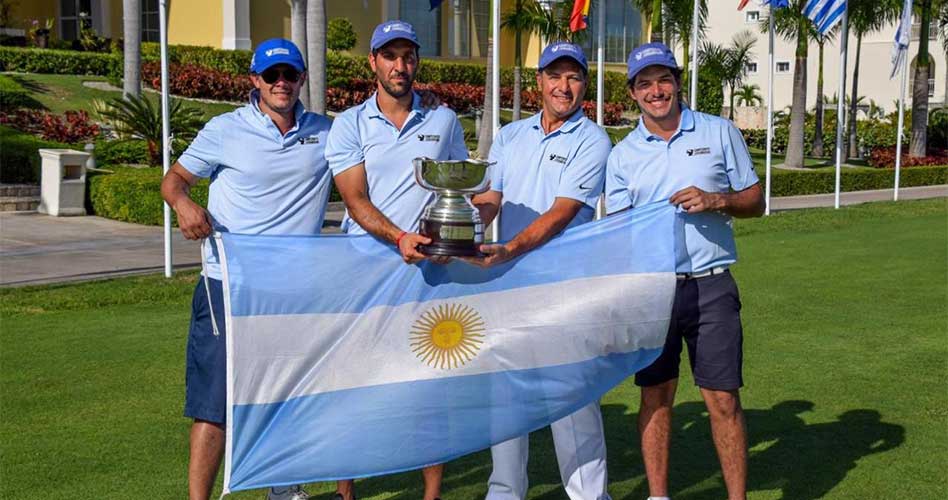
<point x="699" y="163"/>
<point x="548" y="176"/>
<point x="268" y="175"/>
<point x="370" y="151"/>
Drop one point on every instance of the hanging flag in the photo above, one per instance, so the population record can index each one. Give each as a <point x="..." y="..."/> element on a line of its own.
<point x="743" y="4"/>
<point x="824" y="13"/>
<point x="344" y="362"/>
<point x="577" y="19"/>
<point x="902" y="38"/>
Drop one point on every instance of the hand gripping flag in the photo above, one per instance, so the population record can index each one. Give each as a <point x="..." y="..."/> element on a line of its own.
<point x="902" y="38"/>
<point x="824" y="13"/>
<point x="344" y="362"/>
<point x="577" y="18"/>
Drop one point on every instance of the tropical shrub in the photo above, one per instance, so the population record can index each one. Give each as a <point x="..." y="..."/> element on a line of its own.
<point x="61" y="62"/>
<point x="19" y="159"/>
<point x="137" y="118"/>
<point x="72" y="127"/>
<point x="190" y="80"/>
<point x="340" y="35"/>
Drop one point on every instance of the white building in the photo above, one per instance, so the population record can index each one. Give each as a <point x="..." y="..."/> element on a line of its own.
<point x="724" y="21"/>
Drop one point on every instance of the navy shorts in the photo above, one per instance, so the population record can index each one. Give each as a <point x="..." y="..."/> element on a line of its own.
<point x="707" y="318"/>
<point x="206" y="375"/>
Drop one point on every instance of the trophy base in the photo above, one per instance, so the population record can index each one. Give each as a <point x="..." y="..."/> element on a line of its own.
<point x="458" y="239"/>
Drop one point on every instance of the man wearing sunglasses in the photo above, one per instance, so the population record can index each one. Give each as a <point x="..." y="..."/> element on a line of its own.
<point x="370" y="151"/>
<point x="269" y="175"/>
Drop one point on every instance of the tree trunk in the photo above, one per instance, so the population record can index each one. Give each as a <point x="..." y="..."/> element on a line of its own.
<point x="730" y="112"/>
<point x="818" y="119"/>
<point x="132" y="31"/>
<point x="919" y="144"/>
<point x="298" y="34"/>
<point x="518" y="63"/>
<point x="794" y="158"/>
<point x="316" y="53"/>
<point x="485" y="136"/>
<point x="685" y="74"/>
<point x="657" y="30"/>
<point x="853" y="140"/>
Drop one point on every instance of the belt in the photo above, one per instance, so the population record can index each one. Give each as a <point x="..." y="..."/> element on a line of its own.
<point x="702" y="274"/>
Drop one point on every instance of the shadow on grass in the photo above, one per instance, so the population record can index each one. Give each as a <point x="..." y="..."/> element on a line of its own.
<point x="803" y="461"/>
<point x="33" y="87"/>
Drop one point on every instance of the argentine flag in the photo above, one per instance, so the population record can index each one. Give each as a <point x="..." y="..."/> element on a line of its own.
<point x="344" y="362"/>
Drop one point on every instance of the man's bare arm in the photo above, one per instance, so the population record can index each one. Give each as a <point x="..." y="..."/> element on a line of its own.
<point x="488" y="204"/>
<point x="193" y="219"/>
<point x="354" y="190"/>
<point x="741" y="204"/>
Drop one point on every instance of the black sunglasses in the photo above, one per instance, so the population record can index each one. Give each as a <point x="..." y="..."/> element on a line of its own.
<point x="271" y="75"/>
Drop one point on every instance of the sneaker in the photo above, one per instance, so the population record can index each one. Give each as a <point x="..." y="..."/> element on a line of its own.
<point x="289" y="493"/>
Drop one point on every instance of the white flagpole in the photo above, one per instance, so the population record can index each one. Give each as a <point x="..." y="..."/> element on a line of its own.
<point x="165" y="124"/>
<point x="495" y="94"/>
<point x="840" y="104"/>
<point x="600" y="79"/>
<point x="898" y="140"/>
<point x="770" y="111"/>
<point x="693" y="93"/>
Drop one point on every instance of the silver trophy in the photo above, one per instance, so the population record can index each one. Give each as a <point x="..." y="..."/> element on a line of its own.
<point x="451" y="221"/>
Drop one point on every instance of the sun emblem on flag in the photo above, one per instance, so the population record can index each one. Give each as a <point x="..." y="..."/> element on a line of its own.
<point x="447" y="336"/>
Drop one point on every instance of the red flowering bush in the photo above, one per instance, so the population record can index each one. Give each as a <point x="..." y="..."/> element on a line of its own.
<point x="73" y="127"/>
<point x="190" y="80"/>
<point x="885" y="158"/>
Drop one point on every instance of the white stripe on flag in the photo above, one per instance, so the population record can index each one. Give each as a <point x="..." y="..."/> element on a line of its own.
<point x="824" y="13"/>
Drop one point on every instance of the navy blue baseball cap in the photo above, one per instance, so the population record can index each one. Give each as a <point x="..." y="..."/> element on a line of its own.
<point x="650" y="54"/>
<point x="393" y="30"/>
<point x="276" y="51"/>
<point x="557" y="50"/>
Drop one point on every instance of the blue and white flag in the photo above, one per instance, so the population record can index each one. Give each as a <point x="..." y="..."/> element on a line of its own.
<point x="344" y="362"/>
<point x="903" y="34"/>
<point x="824" y="13"/>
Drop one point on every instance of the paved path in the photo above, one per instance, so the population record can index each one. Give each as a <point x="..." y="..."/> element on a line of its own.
<point x="37" y="249"/>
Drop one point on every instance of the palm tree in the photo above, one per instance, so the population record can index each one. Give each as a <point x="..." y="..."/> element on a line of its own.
<point x="316" y="53"/>
<point x="739" y="54"/>
<point x="525" y="18"/>
<point x="866" y="16"/>
<point x="793" y="26"/>
<point x="919" y="144"/>
<point x="820" y="39"/>
<point x="132" y="27"/>
<point x="652" y="17"/>
<point x="679" y="19"/>
<point x="748" y="95"/>
<point x="298" y="34"/>
<point x="135" y="117"/>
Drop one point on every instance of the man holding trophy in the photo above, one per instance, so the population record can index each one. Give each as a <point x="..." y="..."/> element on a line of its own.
<point x="548" y="176"/>
<point x="371" y="149"/>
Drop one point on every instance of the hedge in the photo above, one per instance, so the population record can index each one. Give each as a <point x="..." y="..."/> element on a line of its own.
<point x="793" y="183"/>
<point x="61" y="62"/>
<point x="19" y="159"/>
<point x="134" y="195"/>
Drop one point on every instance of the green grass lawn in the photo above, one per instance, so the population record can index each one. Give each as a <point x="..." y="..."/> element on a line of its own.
<point x="60" y="93"/>
<point x="845" y="347"/>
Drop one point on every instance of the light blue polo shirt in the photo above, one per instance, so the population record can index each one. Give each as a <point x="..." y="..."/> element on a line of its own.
<point x="362" y="134"/>
<point x="262" y="181"/>
<point x="707" y="152"/>
<point x="534" y="168"/>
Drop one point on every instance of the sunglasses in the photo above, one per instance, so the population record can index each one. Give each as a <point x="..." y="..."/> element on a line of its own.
<point x="271" y="75"/>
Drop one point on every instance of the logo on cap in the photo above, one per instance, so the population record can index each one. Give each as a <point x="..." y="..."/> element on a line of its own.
<point x="277" y="51"/>
<point x="566" y="47"/>
<point x="649" y="52"/>
<point x="396" y="27"/>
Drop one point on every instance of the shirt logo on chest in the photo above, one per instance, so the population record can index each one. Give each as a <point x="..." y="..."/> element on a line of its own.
<point x="429" y="137"/>
<point x="313" y="139"/>
<point x="698" y="151"/>
<point x="558" y="159"/>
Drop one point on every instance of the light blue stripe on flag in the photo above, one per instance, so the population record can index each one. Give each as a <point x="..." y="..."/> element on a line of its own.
<point x="824" y="13"/>
<point x="345" y="362"/>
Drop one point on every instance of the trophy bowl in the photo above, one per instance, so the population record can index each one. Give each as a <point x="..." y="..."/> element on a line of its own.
<point x="451" y="221"/>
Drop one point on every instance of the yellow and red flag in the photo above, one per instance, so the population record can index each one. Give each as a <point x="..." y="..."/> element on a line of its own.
<point x="742" y="4"/>
<point x="577" y="19"/>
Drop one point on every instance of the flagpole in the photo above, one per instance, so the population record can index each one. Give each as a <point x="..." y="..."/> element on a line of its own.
<point x="898" y="140"/>
<point x="165" y="127"/>
<point x="840" y="103"/>
<point x="770" y="110"/>
<point x="495" y="93"/>
<point x="600" y="81"/>
<point x="693" y="94"/>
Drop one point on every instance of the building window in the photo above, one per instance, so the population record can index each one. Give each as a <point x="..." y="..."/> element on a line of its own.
<point x="427" y="24"/>
<point x="783" y="66"/>
<point x="751" y="67"/>
<point x="481" y="25"/>
<point x="73" y="16"/>
<point x="751" y="16"/>
<point x="459" y="28"/>
<point x="931" y="87"/>
<point x="150" y="28"/>
<point x="623" y="30"/>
